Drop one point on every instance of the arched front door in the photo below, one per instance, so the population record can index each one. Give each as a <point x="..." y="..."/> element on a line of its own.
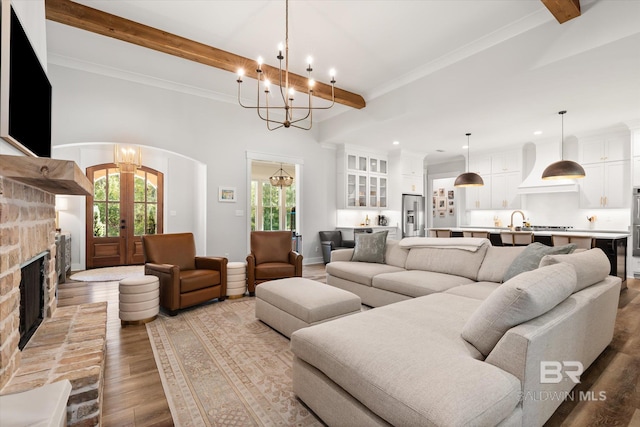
<point x="124" y="206"/>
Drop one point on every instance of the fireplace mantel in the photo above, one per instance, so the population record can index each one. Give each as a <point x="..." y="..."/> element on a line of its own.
<point x="51" y="175"/>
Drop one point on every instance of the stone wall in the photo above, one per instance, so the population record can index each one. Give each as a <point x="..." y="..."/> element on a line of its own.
<point x="27" y="229"/>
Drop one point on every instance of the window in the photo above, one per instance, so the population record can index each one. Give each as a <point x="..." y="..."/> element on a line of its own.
<point x="272" y="208"/>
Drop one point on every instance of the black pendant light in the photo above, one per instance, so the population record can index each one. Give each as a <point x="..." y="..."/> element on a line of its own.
<point x="468" y="179"/>
<point x="564" y="169"/>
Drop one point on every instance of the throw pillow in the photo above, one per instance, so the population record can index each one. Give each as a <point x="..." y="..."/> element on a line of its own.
<point x="529" y="259"/>
<point x="370" y="247"/>
<point x="591" y="266"/>
<point x="526" y="296"/>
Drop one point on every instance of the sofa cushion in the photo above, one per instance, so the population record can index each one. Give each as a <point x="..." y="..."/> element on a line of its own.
<point x="526" y="296"/>
<point x="359" y="272"/>
<point x="402" y="370"/>
<point x="417" y="283"/>
<point x="591" y="266"/>
<point x="454" y="261"/>
<point x="476" y="290"/>
<point x="370" y="247"/>
<point x="496" y="262"/>
<point x="529" y="258"/>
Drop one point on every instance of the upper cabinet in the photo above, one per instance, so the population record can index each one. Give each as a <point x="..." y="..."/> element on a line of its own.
<point x="412" y="173"/>
<point x="362" y="179"/>
<point x="605" y="159"/>
<point x="608" y="148"/>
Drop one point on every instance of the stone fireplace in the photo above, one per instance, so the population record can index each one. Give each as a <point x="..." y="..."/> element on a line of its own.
<point x="27" y="227"/>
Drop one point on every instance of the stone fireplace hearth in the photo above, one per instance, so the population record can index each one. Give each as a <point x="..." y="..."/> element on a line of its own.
<point x="27" y="229"/>
<point x="69" y="343"/>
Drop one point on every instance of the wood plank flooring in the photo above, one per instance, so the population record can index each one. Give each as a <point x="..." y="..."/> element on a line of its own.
<point x="133" y="394"/>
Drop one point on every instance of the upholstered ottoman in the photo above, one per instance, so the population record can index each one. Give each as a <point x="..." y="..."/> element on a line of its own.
<point x="236" y="279"/>
<point x="294" y="303"/>
<point x="139" y="299"/>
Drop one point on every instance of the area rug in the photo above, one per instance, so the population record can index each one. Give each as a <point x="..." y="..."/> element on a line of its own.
<point x="108" y="274"/>
<point x="221" y="366"/>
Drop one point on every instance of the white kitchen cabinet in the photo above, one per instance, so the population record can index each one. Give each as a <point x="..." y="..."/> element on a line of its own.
<point x="377" y="191"/>
<point x="412" y="173"/>
<point x="480" y="164"/>
<point x="636" y="171"/>
<point x="504" y="190"/>
<point x="362" y="180"/>
<point x="506" y="161"/>
<point x="479" y="197"/>
<point x="604" y="149"/>
<point x="605" y="185"/>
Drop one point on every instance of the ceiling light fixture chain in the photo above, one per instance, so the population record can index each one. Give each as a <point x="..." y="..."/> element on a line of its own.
<point x="287" y="91"/>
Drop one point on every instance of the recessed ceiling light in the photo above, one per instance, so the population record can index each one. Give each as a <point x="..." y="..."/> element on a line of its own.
<point x="440" y="150"/>
<point x="396" y="142"/>
<point x="538" y="132"/>
<point x="464" y="147"/>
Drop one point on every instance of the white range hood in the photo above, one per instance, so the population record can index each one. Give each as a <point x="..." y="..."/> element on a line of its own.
<point x="545" y="154"/>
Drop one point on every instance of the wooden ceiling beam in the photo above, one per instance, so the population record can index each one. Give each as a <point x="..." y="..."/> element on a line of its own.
<point x="79" y="16"/>
<point x="563" y="10"/>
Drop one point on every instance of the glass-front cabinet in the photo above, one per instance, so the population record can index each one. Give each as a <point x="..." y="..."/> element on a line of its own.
<point x="365" y="180"/>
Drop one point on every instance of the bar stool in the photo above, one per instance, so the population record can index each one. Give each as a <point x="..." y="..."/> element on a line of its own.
<point x="475" y="233"/>
<point x="516" y="238"/>
<point x="581" y="241"/>
<point x="439" y="232"/>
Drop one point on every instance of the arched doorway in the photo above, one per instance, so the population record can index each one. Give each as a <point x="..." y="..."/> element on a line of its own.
<point x="124" y="206"/>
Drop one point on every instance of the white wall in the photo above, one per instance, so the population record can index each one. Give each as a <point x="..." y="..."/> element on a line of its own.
<point x="89" y="107"/>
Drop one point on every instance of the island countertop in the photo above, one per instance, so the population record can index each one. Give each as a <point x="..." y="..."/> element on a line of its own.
<point x="598" y="234"/>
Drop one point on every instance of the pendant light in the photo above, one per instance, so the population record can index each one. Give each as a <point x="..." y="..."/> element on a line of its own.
<point x="563" y="169"/>
<point x="468" y="179"/>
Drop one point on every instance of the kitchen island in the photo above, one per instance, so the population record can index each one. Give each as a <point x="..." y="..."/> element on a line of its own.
<point x="612" y="243"/>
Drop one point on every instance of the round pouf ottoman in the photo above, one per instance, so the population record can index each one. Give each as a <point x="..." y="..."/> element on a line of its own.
<point x="139" y="300"/>
<point x="236" y="279"/>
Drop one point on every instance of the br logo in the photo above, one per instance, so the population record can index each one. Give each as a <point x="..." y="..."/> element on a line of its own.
<point x="551" y="372"/>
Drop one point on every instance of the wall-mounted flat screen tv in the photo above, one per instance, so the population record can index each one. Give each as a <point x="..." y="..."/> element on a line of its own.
<point x="25" y="90"/>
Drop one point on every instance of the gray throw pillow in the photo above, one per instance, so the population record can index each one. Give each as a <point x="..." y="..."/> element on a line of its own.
<point x="370" y="247"/>
<point x="530" y="258"/>
<point x="525" y="297"/>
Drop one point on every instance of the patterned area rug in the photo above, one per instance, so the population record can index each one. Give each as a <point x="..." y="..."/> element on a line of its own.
<point x="222" y="366"/>
<point x="108" y="274"/>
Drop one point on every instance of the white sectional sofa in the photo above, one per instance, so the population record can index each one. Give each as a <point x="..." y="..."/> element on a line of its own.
<point x="449" y="344"/>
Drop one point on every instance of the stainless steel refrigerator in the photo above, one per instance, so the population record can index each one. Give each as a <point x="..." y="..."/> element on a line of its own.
<point x="413" y="223"/>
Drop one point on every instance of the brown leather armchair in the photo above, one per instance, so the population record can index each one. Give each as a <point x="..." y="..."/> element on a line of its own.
<point x="271" y="258"/>
<point x="185" y="279"/>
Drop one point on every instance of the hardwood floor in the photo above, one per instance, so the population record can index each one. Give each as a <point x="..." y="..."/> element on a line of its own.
<point x="133" y="394"/>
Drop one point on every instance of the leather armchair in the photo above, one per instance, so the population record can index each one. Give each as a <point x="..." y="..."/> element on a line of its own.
<point x="271" y="258"/>
<point x="185" y="279"/>
<point x="332" y="240"/>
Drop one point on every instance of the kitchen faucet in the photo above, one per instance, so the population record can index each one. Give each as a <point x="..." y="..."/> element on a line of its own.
<point x="511" y="226"/>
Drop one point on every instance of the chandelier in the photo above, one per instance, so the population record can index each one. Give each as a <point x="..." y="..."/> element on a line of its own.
<point x="128" y="159"/>
<point x="300" y="117"/>
<point x="281" y="178"/>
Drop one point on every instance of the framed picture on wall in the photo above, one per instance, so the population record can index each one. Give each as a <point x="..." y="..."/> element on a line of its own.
<point x="450" y="194"/>
<point x="226" y="194"/>
<point x="442" y="204"/>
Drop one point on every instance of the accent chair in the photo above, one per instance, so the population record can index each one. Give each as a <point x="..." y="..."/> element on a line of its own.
<point x="271" y="258"/>
<point x="185" y="279"/>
